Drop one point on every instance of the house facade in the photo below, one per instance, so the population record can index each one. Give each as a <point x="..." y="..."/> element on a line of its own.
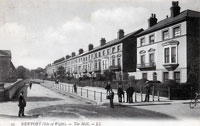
<point x="115" y="56"/>
<point x="167" y="49"/>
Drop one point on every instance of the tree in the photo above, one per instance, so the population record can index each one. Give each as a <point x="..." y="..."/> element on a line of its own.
<point x="61" y="72"/>
<point x="194" y="74"/>
<point x="22" y="72"/>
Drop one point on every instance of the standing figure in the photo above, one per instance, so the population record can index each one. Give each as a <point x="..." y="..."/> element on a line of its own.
<point x="128" y="93"/>
<point x="111" y="99"/>
<point x="21" y="104"/>
<point x="120" y="93"/>
<point x="147" y="90"/>
<point x="131" y="91"/>
<point x="75" y="88"/>
<point x="108" y="88"/>
<point x="30" y="84"/>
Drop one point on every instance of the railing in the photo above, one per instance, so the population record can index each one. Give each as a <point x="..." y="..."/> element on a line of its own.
<point x="146" y="65"/>
<point x="139" y="96"/>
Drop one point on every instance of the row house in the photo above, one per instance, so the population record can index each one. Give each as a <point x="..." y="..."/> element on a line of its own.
<point x="117" y="56"/>
<point x="167" y="49"/>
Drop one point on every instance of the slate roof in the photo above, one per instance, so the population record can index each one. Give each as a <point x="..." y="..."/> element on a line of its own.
<point x="109" y="43"/>
<point x="171" y="20"/>
<point x="5" y="53"/>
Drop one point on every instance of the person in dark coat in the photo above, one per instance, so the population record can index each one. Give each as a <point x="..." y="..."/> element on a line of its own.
<point x="120" y="93"/>
<point x="147" y="91"/>
<point x="75" y="88"/>
<point x="111" y="99"/>
<point x="131" y="91"/>
<point x="30" y="85"/>
<point x="128" y="93"/>
<point x="21" y="104"/>
<point x="108" y="88"/>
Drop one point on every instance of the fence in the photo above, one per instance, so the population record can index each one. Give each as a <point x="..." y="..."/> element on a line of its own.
<point x="101" y="95"/>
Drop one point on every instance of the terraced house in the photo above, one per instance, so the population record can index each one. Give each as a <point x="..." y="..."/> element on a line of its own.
<point x="117" y="56"/>
<point x="169" y="48"/>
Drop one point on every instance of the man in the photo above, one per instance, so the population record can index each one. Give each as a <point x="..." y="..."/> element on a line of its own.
<point x="147" y="90"/>
<point x="128" y="93"/>
<point x="120" y="93"/>
<point x="131" y="91"/>
<point x="108" y="88"/>
<point x="21" y="104"/>
<point x="111" y="99"/>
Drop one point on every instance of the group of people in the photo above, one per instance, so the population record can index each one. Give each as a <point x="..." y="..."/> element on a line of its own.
<point x="129" y="93"/>
<point x="121" y="93"/>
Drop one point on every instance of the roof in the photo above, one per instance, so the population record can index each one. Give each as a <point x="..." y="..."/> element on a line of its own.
<point x="171" y="20"/>
<point x="109" y="43"/>
<point x="5" y="53"/>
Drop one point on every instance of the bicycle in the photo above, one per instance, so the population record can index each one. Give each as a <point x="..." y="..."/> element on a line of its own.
<point x="194" y="101"/>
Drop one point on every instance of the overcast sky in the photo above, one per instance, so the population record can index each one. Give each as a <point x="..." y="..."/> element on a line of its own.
<point x="40" y="31"/>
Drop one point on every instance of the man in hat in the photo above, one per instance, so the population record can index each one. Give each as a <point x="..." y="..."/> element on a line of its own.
<point x="21" y="104"/>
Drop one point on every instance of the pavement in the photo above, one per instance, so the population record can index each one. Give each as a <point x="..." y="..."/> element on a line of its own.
<point x="97" y="95"/>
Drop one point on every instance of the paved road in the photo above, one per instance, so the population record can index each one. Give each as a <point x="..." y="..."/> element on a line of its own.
<point x="43" y="102"/>
<point x="51" y="104"/>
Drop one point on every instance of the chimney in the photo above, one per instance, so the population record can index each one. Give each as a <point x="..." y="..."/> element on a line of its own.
<point x="80" y="51"/>
<point x="120" y="34"/>
<point x="152" y="20"/>
<point x="102" y="41"/>
<point x="73" y="54"/>
<point x="175" y="9"/>
<point x="67" y="56"/>
<point x="90" y="47"/>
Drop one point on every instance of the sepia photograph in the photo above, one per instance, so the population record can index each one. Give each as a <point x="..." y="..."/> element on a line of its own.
<point x="99" y="62"/>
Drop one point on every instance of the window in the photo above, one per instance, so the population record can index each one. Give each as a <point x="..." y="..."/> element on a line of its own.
<point x="95" y="55"/>
<point x="165" y="34"/>
<point x="177" y="77"/>
<point x="154" y="76"/>
<point x="103" y="52"/>
<point x="165" y="76"/>
<point x="108" y="51"/>
<point x="113" y="49"/>
<point x="166" y="53"/>
<point x="144" y="75"/>
<point x="170" y="54"/>
<point x="151" y="39"/>
<point x="176" y="31"/>
<point x="142" y="59"/>
<point x="95" y="65"/>
<point x="119" y="61"/>
<point x="118" y="48"/>
<point x="142" y="41"/>
<point x="151" y="58"/>
<point x="113" y="61"/>
<point x="173" y="54"/>
<point x="99" y="54"/>
<point x="99" y="65"/>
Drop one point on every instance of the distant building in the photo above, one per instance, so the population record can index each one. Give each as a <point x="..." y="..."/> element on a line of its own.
<point x="117" y="56"/>
<point x="168" y="48"/>
<point x="7" y="69"/>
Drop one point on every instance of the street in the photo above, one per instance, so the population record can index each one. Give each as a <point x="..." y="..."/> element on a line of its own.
<point x="43" y="102"/>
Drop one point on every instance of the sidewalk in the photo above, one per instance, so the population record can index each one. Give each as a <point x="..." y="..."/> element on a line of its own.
<point x="98" y="95"/>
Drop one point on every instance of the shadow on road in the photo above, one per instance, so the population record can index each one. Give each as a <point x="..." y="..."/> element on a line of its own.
<point x="35" y="99"/>
<point x="96" y="111"/>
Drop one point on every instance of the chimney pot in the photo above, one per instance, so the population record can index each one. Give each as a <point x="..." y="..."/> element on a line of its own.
<point x="120" y="33"/>
<point x="102" y="41"/>
<point x="73" y="54"/>
<point x="90" y="47"/>
<point x="175" y="9"/>
<point x="152" y="20"/>
<point x="80" y="51"/>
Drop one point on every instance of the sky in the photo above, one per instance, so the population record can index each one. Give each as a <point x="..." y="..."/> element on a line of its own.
<point x="39" y="32"/>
